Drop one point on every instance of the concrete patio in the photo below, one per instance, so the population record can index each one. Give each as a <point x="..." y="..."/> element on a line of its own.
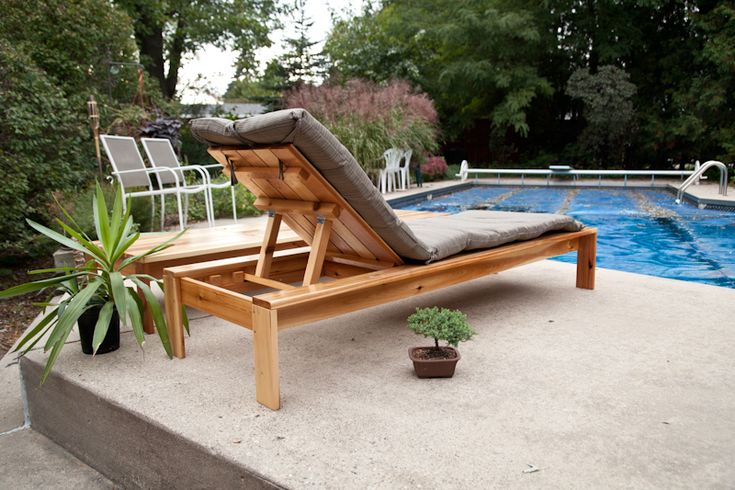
<point x="630" y="385"/>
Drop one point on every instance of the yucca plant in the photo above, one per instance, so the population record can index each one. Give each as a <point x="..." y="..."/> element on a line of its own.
<point x="97" y="282"/>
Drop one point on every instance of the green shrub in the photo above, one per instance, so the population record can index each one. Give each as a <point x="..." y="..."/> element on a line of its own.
<point x="40" y="137"/>
<point x="221" y="201"/>
<point x="441" y="324"/>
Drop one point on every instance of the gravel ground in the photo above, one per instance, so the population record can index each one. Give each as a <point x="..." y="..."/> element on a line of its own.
<point x="17" y="313"/>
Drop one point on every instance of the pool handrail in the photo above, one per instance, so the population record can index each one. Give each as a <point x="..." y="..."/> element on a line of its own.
<point x="698" y="173"/>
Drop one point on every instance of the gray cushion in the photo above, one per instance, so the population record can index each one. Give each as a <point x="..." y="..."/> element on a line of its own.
<point x="418" y="240"/>
<point x="449" y="235"/>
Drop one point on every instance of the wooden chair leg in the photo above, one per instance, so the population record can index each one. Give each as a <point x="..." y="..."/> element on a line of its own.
<point x="174" y="320"/>
<point x="265" y="355"/>
<point x="318" y="251"/>
<point x="269" y="245"/>
<point x="586" y="260"/>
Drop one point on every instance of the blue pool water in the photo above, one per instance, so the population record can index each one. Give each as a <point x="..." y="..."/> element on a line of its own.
<point x="639" y="230"/>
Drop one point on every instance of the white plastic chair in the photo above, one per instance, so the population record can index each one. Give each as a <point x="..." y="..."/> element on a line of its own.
<point x="131" y="172"/>
<point x="388" y="174"/>
<point x="405" y="169"/>
<point x="161" y="153"/>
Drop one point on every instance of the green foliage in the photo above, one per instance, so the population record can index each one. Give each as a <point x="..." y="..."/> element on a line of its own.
<point x="266" y="89"/>
<point x="72" y="42"/>
<point x="375" y="46"/>
<point x="222" y="203"/>
<point x="167" y="30"/>
<point x="475" y="59"/>
<point x="498" y="72"/>
<point x="40" y="140"/>
<point x="368" y="118"/>
<point x="441" y="324"/>
<point x="99" y="281"/>
<point x="607" y="97"/>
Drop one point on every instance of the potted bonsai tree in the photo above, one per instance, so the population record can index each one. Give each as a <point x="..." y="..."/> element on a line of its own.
<point x="93" y="294"/>
<point x="440" y="324"/>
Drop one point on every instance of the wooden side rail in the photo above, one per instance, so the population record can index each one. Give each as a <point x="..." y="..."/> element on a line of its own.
<point x="268" y="313"/>
<point x="324" y="300"/>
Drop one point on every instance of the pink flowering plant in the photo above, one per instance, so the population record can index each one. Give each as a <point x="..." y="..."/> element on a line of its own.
<point x="369" y="118"/>
<point x="435" y="168"/>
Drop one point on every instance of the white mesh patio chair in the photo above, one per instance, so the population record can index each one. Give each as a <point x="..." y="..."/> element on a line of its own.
<point x="161" y="153"/>
<point x="131" y="173"/>
<point x="391" y="170"/>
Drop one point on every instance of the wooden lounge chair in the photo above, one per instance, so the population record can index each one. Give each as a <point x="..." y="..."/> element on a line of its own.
<point x="361" y="254"/>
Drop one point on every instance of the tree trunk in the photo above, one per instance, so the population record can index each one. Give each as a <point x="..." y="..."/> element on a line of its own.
<point x="174" y="60"/>
<point x="149" y="36"/>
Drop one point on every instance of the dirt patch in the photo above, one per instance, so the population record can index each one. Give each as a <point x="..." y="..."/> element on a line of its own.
<point x="429" y="353"/>
<point x="17" y="313"/>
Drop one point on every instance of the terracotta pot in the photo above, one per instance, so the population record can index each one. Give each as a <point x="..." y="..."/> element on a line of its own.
<point x="434" y="368"/>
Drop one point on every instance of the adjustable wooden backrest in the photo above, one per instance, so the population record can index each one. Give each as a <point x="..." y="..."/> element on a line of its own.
<point x="289" y="188"/>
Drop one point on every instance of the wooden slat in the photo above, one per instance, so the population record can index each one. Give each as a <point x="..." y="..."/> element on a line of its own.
<point x="292" y="206"/>
<point x="269" y="283"/>
<point x="228" y="305"/>
<point x="374" y="265"/>
<point x="284" y="261"/>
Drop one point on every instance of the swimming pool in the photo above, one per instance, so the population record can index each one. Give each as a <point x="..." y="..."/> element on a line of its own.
<point x="639" y="230"/>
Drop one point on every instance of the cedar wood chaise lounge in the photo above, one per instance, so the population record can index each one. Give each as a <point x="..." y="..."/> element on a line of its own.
<point x="365" y="254"/>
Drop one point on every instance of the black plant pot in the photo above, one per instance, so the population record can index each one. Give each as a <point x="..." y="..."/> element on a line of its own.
<point x="87" y="322"/>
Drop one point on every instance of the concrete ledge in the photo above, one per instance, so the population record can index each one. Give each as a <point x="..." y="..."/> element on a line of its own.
<point x="126" y="447"/>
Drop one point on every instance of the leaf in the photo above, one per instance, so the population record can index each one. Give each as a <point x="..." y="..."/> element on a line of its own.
<point x="90" y="248"/>
<point x="68" y="316"/>
<point x="29" y="287"/>
<point x="185" y="319"/>
<point x="69" y="217"/>
<point x="119" y="294"/>
<point x="135" y="308"/>
<point x="30" y="334"/>
<point x="155" y="249"/>
<point x="102" y="325"/>
<point x="123" y="247"/>
<point x="101" y="223"/>
<point x="55" y="352"/>
<point x="116" y="219"/>
<point x="58" y="237"/>
<point x="157" y="314"/>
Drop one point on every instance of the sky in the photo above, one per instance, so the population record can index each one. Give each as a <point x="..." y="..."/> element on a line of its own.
<point x="211" y="68"/>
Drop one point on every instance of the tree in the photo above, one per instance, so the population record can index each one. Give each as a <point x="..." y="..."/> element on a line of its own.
<point x="266" y="89"/>
<point x="300" y="62"/>
<point x="166" y="30"/>
<point x="608" y="110"/>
